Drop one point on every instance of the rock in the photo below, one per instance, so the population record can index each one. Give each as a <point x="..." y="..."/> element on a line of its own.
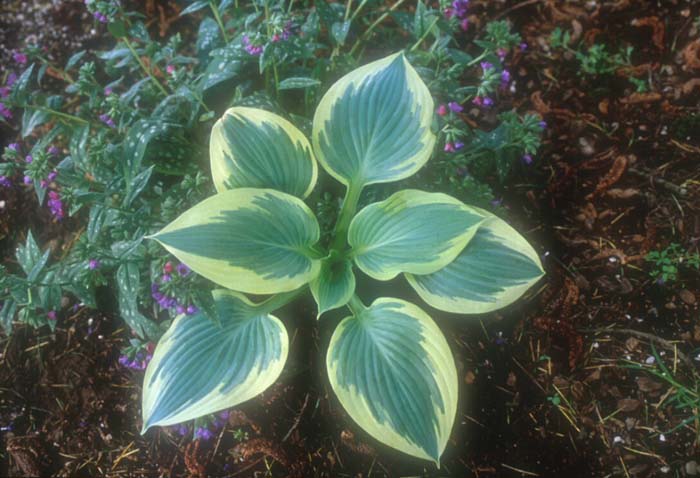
<point x="687" y="296"/>
<point x="691" y="468"/>
<point x="628" y="404"/>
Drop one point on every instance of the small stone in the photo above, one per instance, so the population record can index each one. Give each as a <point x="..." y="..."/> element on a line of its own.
<point x="687" y="296"/>
<point x="691" y="468"/>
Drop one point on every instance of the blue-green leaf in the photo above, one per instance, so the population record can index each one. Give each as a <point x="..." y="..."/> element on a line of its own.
<point x="393" y="372"/>
<point x="201" y="367"/>
<point x="334" y="285"/>
<point x="411" y="231"/>
<point x="251" y="240"/>
<point x="494" y="270"/>
<point x="251" y="147"/>
<point x="374" y="124"/>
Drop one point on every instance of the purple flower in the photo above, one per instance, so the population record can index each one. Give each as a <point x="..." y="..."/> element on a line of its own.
<point x="108" y="91"/>
<point x="183" y="270"/>
<point x="182" y="430"/>
<point x="441" y="110"/>
<point x="106" y="119"/>
<point x="225" y="414"/>
<point x="100" y="17"/>
<point x="486" y="65"/>
<point x="287" y="31"/>
<point x="250" y="48"/>
<point x="464" y="25"/>
<point x="166" y="278"/>
<point x="43" y="183"/>
<point x="53" y="150"/>
<point x="449" y="148"/>
<point x="487" y="101"/>
<point x="4" y="92"/>
<point x="203" y="433"/>
<point x="501" y="52"/>
<point x="51" y="315"/>
<point x="28" y="159"/>
<point x="19" y="57"/>
<point x="170" y="69"/>
<point x="5" y="182"/>
<point x="505" y="77"/>
<point x="527" y="159"/>
<point x="13" y="147"/>
<point x="27" y="180"/>
<point x="52" y="175"/>
<point x="523" y="46"/>
<point x="459" y="145"/>
<point x="192" y="309"/>
<point x="11" y="79"/>
<point x="542" y="124"/>
<point x="5" y="112"/>
<point x="93" y="264"/>
<point x="56" y="205"/>
<point x="459" y="8"/>
<point x="454" y="106"/>
<point x="155" y="288"/>
<point x="124" y="360"/>
<point x="180" y="309"/>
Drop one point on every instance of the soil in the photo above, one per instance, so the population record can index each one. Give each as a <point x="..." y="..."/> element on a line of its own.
<point x="545" y="391"/>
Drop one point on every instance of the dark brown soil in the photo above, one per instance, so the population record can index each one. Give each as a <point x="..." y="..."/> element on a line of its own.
<point x="543" y="391"/>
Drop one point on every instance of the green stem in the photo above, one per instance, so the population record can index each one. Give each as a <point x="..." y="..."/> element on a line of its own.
<point x="143" y="66"/>
<point x="359" y="8"/>
<point x="58" y="114"/>
<point x="66" y="77"/>
<point x="356" y="306"/>
<point x="425" y="34"/>
<point x="352" y="196"/>
<point x="217" y="16"/>
<point x="374" y="25"/>
<point x="280" y="300"/>
<point x="477" y="59"/>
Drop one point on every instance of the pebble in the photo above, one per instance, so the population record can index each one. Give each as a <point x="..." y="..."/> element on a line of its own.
<point x="691" y="468"/>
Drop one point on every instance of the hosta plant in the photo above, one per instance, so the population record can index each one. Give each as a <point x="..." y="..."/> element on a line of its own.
<point x="387" y="362"/>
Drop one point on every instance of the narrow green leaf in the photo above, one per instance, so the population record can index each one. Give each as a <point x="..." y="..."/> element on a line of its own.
<point x="74" y="59"/>
<point x="340" y="31"/>
<point x="251" y="240"/>
<point x="7" y="314"/>
<point x="39" y="266"/>
<point x="393" y="372"/>
<point x="128" y="283"/>
<point x="374" y="124"/>
<point x="28" y="254"/>
<point x="411" y="231"/>
<point x="195" y="7"/>
<point x="136" y="185"/>
<point x="493" y="271"/>
<point x="334" y="285"/>
<point x="255" y="148"/>
<point x="200" y="367"/>
<point x="298" y="82"/>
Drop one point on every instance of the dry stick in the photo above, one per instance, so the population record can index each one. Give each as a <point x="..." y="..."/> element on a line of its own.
<point x="650" y="337"/>
<point x="297" y="419"/>
<point x="681" y="191"/>
<point x="515" y="7"/>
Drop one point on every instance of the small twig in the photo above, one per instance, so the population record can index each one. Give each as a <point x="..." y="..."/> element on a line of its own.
<point x="650" y="337"/>
<point x="297" y="419"/>
<point x="516" y="7"/>
<point x="681" y="191"/>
